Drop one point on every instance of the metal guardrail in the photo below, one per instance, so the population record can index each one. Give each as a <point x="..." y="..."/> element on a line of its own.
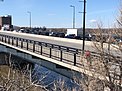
<point x="19" y="42"/>
<point x="38" y="47"/>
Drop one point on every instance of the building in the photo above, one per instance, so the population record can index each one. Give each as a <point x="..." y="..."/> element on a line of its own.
<point x="6" y="22"/>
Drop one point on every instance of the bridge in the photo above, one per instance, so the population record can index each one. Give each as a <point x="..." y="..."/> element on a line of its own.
<point x="58" y="54"/>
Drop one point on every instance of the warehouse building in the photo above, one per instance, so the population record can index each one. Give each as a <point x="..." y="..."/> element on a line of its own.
<point x="6" y="22"/>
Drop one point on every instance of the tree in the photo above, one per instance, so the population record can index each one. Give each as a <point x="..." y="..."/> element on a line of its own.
<point x="44" y="28"/>
<point x="107" y="63"/>
<point x="12" y="79"/>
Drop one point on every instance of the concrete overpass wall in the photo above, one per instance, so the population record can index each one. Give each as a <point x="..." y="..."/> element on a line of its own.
<point x="60" y="67"/>
<point x="56" y="66"/>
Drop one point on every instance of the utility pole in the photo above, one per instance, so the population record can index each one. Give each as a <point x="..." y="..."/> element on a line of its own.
<point x="73" y="15"/>
<point x="84" y="23"/>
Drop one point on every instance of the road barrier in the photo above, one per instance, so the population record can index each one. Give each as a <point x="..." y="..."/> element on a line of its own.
<point x="38" y="47"/>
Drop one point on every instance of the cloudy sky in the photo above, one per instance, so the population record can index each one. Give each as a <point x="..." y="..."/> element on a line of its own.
<point x="58" y="13"/>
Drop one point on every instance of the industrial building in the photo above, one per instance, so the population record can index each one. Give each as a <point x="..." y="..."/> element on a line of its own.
<point x="6" y="22"/>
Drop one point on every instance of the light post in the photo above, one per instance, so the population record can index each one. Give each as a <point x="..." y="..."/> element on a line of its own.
<point x="29" y="18"/>
<point x="73" y="15"/>
<point x="84" y="23"/>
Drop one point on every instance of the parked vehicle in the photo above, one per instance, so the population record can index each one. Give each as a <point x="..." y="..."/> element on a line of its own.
<point x="71" y="36"/>
<point x="62" y="35"/>
<point x="88" y="37"/>
<point x="44" y="33"/>
<point x="72" y="31"/>
<point x="78" y="37"/>
<point x="21" y="30"/>
<point x="54" y="34"/>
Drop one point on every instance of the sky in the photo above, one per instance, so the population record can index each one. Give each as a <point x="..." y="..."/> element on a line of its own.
<point x="59" y="14"/>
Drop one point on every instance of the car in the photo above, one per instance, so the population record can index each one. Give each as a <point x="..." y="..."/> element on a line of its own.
<point x="62" y="35"/>
<point x="54" y="34"/>
<point x="70" y="36"/>
<point x="78" y="37"/>
<point x="88" y="37"/>
<point x="21" y="31"/>
<point x="46" y="33"/>
<point x="27" y="31"/>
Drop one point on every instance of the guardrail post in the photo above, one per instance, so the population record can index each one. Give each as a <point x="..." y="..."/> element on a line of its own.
<point x="74" y="59"/>
<point x="27" y="44"/>
<point x="33" y="46"/>
<point x="50" y="52"/>
<point x="61" y="55"/>
<point x="5" y="38"/>
<point x="67" y="49"/>
<point x="52" y="46"/>
<point x="12" y="40"/>
<point x="45" y="44"/>
<point x="8" y="40"/>
<point x="41" y="49"/>
<point x="2" y="38"/>
<point x="21" y="43"/>
<point x="40" y="44"/>
<point x="17" y="42"/>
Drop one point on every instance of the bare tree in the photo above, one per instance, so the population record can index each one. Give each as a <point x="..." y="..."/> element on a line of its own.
<point x="107" y="61"/>
<point x="18" y="80"/>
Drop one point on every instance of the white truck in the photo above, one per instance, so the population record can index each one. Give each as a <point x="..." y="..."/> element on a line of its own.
<point x="77" y="32"/>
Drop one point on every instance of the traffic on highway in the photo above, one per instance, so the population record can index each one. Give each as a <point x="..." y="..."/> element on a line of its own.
<point x="70" y="34"/>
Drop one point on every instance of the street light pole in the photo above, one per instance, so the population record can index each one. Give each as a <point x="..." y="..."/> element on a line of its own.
<point x="73" y="15"/>
<point x="84" y="23"/>
<point x="29" y="18"/>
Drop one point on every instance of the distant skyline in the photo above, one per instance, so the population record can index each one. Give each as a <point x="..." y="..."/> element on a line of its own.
<point x="58" y="13"/>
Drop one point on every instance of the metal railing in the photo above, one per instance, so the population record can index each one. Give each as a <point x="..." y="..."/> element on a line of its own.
<point x="58" y="52"/>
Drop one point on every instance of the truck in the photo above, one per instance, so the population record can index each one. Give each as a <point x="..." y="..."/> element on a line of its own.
<point x="76" y="32"/>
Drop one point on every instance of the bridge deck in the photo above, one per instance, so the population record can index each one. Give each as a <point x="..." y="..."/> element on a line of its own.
<point x="68" y="57"/>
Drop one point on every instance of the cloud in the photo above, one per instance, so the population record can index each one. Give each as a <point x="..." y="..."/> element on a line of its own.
<point x="93" y="21"/>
